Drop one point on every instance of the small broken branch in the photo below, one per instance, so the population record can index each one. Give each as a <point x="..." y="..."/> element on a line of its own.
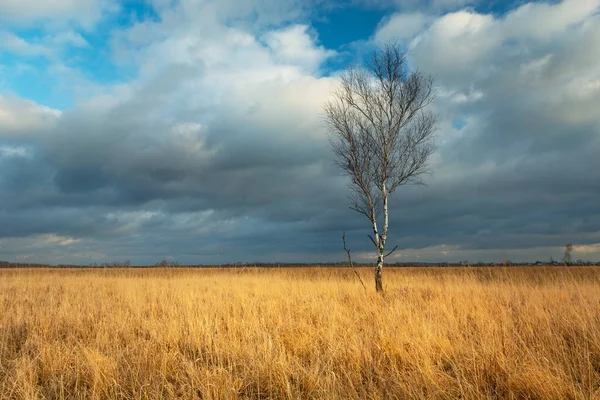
<point x="372" y="240"/>
<point x="352" y="264"/>
<point x="393" y="250"/>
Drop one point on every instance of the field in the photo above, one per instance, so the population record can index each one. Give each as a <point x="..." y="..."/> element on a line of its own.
<point x="439" y="333"/>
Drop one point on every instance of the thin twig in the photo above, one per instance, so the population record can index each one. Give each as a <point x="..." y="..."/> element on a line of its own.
<point x="352" y="264"/>
<point x="373" y="240"/>
<point x="393" y="250"/>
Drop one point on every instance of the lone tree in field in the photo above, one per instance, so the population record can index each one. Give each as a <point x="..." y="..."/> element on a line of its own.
<point x="382" y="135"/>
<point x="567" y="259"/>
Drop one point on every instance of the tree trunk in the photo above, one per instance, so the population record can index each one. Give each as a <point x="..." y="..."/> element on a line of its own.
<point x="378" y="284"/>
<point x="382" y="240"/>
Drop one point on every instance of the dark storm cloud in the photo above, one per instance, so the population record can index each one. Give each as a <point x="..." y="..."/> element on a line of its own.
<point x="100" y="162"/>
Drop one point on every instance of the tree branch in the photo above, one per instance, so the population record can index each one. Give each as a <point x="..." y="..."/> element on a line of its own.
<point x="373" y="241"/>
<point x="352" y="264"/>
<point x="390" y="253"/>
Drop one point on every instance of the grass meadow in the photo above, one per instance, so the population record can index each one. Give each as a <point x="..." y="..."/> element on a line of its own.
<point x="300" y="333"/>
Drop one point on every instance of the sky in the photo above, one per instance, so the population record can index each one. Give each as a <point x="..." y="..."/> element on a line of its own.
<point x="193" y="130"/>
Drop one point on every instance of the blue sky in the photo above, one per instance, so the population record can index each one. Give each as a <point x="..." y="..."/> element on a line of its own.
<point x="193" y="130"/>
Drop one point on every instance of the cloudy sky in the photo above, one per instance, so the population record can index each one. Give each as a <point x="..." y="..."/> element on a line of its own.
<point x="193" y="130"/>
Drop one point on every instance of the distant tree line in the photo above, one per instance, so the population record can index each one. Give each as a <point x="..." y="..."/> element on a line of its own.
<point x="174" y="264"/>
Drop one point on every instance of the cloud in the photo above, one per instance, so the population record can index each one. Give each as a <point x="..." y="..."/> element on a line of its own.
<point x="516" y="162"/>
<point x="215" y="135"/>
<point x="13" y="151"/>
<point x="15" y="44"/>
<point x="543" y="21"/>
<point x="216" y="150"/>
<point x="465" y="42"/>
<point x="293" y="45"/>
<point x="587" y="249"/>
<point x="68" y="38"/>
<point x="401" y="26"/>
<point x="84" y="13"/>
<point x="19" y="117"/>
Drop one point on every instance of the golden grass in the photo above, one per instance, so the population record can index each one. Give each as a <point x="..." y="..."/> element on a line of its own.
<point x="300" y="333"/>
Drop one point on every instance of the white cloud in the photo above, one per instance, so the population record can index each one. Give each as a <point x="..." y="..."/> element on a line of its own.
<point x="23" y="117"/>
<point x="13" y="151"/>
<point x="401" y="26"/>
<point x="544" y="42"/>
<point x="293" y="45"/>
<point x="50" y="46"/>
<point x="85" y="13"/>
<point x="229" y="61"/>
<point x="59" y="240"/>
<point x="454" y="253"/>
<point x="455" y="43"/>
<point x="587" y="249"/>
<point x="43" y="241"/>
<point x="68" y="38"/>
<point x="56" y="248"/>
<point x="544" y="21"/>
<point x="12" y="43"/>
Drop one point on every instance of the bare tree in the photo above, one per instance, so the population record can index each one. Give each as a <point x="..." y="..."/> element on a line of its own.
<point x="567" y="259"/>
<point x="382" y="135"/>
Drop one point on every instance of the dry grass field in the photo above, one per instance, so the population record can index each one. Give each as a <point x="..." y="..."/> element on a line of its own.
<point x="438" y="333"/>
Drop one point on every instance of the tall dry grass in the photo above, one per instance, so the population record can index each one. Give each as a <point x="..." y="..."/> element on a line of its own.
<point x="301" y="333"/>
